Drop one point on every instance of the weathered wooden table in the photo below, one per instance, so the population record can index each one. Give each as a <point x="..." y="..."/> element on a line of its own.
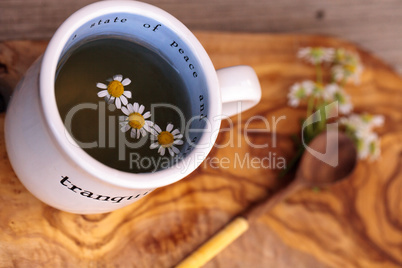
<point x="355" y="223"/>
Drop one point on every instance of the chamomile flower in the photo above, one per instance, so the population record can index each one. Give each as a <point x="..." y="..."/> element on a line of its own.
<point x="166" y="139"/>
<point x="360" y="128"/>
<point x="347" y="72"/>
<point x="300" y="91"/>
<point x="373" y="120"/>
<point x="333" y="92"/>
<point x="361" y="125"/>
<point x="316" y="55"/>
<point x="347" y="66"/>
<point x="136" y="120"/>
<point x="368" y="147"/>
<point x="114" y="91"/>
<point x="318" y="90"/>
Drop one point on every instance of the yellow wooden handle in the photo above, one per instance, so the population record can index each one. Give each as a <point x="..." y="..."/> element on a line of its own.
<point x="215" y="244"/>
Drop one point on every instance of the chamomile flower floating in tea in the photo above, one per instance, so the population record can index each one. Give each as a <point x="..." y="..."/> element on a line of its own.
<point x="166" y="139"/>
<point x="114" y="91"/>
<point x="136" y="120"/>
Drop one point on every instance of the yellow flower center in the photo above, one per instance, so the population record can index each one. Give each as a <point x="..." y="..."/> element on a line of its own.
<point x="165" y="139"/>
<point x="367" y="118"/>
<point x="115" y="89"/>
<point x="136" y="120"/>
<point x="319" y="86"/>
<point x="340" y="55"/>
<point x="351" y="68"/>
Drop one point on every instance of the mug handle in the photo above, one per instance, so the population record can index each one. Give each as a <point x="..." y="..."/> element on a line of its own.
<point x="240" y="89"/>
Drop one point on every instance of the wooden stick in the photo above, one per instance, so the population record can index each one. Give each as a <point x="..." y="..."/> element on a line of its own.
<point x="216" y="244"/>
<point x="235" y="228"/>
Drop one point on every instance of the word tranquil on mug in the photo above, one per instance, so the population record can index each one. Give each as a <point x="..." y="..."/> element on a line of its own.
<point x="66" y="182"/>
<point x="246" y="161"/>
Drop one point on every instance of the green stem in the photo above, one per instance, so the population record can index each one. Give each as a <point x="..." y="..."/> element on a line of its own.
<point x="323" y="120"/>
<point x="320" y="106"/>
<point x="310" y="108"/>
<point x="319" y="73"/>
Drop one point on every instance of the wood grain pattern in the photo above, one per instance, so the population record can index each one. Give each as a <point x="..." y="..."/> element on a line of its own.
<point x="355" y="223"/>
<point x="374" y="25"/>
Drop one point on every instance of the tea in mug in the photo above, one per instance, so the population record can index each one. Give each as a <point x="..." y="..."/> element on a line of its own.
<point x="106" y="90"/>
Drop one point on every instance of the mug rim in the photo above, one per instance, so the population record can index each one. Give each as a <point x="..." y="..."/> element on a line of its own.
<point x="55" y="123"/>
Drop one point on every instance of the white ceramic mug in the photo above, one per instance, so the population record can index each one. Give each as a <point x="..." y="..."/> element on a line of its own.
<point x="60" y="173"/>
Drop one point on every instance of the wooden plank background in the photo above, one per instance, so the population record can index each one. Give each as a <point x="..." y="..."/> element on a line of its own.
<point x="374" y="25"/>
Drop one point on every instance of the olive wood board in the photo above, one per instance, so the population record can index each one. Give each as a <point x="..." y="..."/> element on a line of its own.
<point x="354" y="223"/>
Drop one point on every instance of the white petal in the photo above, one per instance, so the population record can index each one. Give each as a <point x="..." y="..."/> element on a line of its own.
<point x="177" y="151"/>
<point x="141" y="109"/>
<point x="138" y="133"/>
<point x="170" y="151"/>
<point x="118" y="103"/>
<point x="102" y="93"/>
<point x="176" y="131"/>
<point x="293" y="102"/>
<point x="154" y="145"/>
<point x="377" y="121"/>
<point x="109" y="99"/>
<point x="157" y="128"/>
<point x="143" y="132"/>
<point x="161" y="151"/>
<point x="130" y="108"/>
<point x="101" y="85"/>
<point x="124" y="122"/>
<point x="147" y="115"/>
<point x="178" y="136"/>
<point x="125" y="110"/>
<point x="147" y="125"/>
<point x="153" y="132"/>
<point x="123" y="100"/>
<point x="178" y="142"/>
<point x="127" y="93"/>
<point x="135" y="107"/>
<point x="169" y="127"/>
<point x="125" y="128"/>
<point x="117" y="77"/>
<point x="126" y="82"/>
<point x="133" y="133"/>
